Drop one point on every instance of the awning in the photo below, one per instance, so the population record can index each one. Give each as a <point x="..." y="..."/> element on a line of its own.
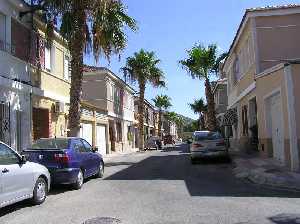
<point x="229" y="118"/>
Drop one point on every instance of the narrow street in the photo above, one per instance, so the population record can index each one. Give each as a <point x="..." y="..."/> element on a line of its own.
<point x="161" y="188"/>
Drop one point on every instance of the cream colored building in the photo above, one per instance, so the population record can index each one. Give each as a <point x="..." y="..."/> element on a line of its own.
<point x="106" y="91"/>
<point x="261" y="74"/>
<point x="94" y="127"/>
<point x="50" y="77"/>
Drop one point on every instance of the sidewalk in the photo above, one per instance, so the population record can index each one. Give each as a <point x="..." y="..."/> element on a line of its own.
<point x="265" y="171"/>
<point x="107" y="157"/>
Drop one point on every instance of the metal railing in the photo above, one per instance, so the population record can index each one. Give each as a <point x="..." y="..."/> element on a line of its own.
<point x="7" y="47"/>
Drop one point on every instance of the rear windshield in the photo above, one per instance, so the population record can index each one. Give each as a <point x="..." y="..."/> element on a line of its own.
<point x="200" y="136"/>
<point x="50" y="144"/>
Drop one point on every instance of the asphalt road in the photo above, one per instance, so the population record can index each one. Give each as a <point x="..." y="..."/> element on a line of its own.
<point x="161" y="188"/>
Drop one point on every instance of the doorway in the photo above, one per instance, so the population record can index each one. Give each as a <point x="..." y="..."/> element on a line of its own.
<point x="275" y="126"/>
<point x="40" y="122"/>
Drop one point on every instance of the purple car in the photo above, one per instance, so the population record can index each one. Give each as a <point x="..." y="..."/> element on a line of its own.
<point x="69" y="160"/>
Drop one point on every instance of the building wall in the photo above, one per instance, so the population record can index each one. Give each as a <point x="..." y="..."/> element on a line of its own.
<point x="95" y="90"/>
<point x="14" y="82"/>
<point x="277" y="39"/>
<point x="108" y="93"/>
<point x="58" y="121"/>
<point x="241" y="58"/>
<point x="266" y="87"/>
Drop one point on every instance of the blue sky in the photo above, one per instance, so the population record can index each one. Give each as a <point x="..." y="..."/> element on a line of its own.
<point x="169" y="27"/>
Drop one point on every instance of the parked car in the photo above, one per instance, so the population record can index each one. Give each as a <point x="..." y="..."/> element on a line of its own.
<point x="168" y="139"/>
<point x="153" y="142"/>
<point x="208" y="144"/>
<point x="69" y="160"/>
<point x="20" y="180"/>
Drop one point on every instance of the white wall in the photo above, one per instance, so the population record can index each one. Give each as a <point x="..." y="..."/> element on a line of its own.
<point x="19" y="99"/>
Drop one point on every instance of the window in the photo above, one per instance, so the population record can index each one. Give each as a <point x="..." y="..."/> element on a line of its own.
<point x="78" y="146"/>
<point x="55" y="143"/>
<point x="48" y="58"/>
<point x="245" y="120"/>
<point x="67" y="71"/>
<point x="87" y="146"/>
<point x="19" y="130"/>
<point x="200" y="136"/>
<point x="8" y="156"/>
<point x="2" y="31"/>
<point x="111" y="88"/>
<point x="236" y="69"/>
<point x="119" y="131"/>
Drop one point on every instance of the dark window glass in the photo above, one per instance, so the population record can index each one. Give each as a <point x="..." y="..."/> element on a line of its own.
<point x="78" y="146"/>
<point x="200" y="136"/>
<point x="87" y="146"/>
<point x="54" y="143"/>
<point x="8" y="156"/>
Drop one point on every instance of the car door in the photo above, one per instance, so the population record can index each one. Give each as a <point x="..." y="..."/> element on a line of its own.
<point x="16" y="178"/>
<point x="82" y="156"/>
<point x="93" y="157"/>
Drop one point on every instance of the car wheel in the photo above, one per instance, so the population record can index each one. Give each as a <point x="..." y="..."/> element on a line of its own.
<point x="100" y="172"/>
<point x="40" y="191"/>
<point x="79" y="181"/>
<point x="193" y="161"/>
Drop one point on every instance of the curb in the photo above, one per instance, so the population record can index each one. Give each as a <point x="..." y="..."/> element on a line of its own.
<point x="263" y="179"/>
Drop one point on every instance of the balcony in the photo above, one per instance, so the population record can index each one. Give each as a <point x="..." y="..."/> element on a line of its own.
<point x="12" y="67"/>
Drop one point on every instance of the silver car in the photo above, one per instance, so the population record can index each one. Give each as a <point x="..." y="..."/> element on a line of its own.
<point x="208" y="144"/>
<point x="20" y="180"/>
<point x="153" y="142"/>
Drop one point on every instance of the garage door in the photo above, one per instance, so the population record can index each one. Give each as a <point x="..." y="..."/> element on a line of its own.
<point x="86" y="132"/>
<point x="100" y="139"/>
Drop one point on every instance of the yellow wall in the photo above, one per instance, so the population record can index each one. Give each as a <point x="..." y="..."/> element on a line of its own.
<point x="58" y="121"/>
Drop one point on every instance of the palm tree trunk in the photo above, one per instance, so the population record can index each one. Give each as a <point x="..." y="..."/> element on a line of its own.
<point x="211" y="113"/>
<point x="76" y="46"/>
<point x="200" y="122"/>
<point x="159" y="123"/>
<point x="142" y="87"/>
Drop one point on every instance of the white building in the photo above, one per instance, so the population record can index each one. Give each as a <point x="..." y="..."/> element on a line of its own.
<point x="15" y="89"/>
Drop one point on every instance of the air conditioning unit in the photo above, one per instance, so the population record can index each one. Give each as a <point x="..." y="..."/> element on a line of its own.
<point x="59" y="107"/>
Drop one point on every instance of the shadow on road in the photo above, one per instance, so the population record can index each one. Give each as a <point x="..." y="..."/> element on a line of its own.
<point x="15" y="207"/>
<point x="110" y="164"/>
<point x="208" y="178"/>
<point x="285" y="219"/>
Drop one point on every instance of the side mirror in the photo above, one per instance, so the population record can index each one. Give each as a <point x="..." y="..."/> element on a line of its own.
<point x="23" y="159"/>
<point x="95" y="149"/>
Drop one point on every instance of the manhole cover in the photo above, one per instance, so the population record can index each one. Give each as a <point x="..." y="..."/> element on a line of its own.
<point x="102" y="220"/>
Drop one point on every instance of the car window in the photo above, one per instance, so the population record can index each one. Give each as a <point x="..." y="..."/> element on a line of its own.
<point x="200" y="136"/>
<point x="87" y="146"/>
<point x="78" y="146"/>
<point x="8" y="156"/>
<point x="55" y="143"/>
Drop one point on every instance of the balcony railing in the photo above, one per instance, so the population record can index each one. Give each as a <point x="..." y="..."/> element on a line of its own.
<point x="7" y="47"/>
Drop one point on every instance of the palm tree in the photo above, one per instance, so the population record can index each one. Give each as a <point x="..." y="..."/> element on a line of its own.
<point x="96" y="26"/>
<point x="162" y="102"/>
<point x="143" y="69"/>
<point x="199" y="107"/>
<point x="202" y="63"/>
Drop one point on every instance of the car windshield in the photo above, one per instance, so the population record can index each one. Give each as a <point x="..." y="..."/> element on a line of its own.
<point x="200" y="136"/>
<point x="50" y="144"/>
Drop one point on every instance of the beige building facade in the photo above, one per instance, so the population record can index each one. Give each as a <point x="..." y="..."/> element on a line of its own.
<point x="106" y="91"/>
<point x="257" y="89"/>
